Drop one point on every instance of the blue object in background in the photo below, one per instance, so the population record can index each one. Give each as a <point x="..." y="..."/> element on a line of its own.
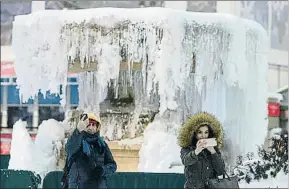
<point x="13" y="96"/>
<point x="49" y="98"/>
<point x="74" y="99"/>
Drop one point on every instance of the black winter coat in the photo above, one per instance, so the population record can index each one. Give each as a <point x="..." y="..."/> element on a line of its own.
<point x="199" y="168"/>
<point x="87" y="171"/>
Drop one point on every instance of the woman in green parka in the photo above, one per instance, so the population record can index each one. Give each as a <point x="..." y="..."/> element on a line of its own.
<point x="201" y="162"/>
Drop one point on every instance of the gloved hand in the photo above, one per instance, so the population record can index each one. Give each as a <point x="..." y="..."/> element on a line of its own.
<point x="82" y="124"/>
<point x="98" y="171"/>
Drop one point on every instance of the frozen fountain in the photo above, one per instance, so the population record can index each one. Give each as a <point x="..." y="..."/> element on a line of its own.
<point x="145" y="71"/>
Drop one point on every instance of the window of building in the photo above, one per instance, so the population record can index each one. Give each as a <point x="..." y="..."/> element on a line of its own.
<point x="18" y="112"/>
<point x="51" y="112"/>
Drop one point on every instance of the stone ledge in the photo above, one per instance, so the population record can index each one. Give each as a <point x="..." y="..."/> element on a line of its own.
<point x="126" y="156"/>
<point x="116" y="146"/>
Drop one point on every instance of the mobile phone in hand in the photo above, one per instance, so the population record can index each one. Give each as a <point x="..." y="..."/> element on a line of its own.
<point x="83" y="116"/>
<point x="210" y="142"/>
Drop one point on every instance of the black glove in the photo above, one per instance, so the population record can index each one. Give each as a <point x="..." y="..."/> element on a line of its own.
<point x="98" y="172"/>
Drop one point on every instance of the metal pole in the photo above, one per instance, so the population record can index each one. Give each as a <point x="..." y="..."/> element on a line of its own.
<point x="35" y="112"/>
<point x="68" y="94"/>
<point x="4" y="107"/>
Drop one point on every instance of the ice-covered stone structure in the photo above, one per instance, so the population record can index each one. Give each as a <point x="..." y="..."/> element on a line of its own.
<point x="153" y="67"/>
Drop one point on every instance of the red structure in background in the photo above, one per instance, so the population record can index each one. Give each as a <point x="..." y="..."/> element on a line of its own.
<point x="7" y="70"/>
<point x="5" y="143"/>
<point x="273" y="109"/>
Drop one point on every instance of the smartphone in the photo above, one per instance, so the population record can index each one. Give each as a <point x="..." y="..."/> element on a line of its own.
<point x="83" y="116"/>
<point x="210" y="142"/>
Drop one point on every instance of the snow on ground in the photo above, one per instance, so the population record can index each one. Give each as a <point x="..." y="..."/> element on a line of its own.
<point x="281" y="181"/>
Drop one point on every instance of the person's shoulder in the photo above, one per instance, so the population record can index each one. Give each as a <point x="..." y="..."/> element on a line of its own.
<point x="217" y="150"/>
<point x="103" y="143"/>
<point x="75" y="133"/>
<point x="189" y="148"/>
<point x="106" y="144"/>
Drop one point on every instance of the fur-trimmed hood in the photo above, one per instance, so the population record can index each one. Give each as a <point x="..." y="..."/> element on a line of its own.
<point x="193" y="123"/>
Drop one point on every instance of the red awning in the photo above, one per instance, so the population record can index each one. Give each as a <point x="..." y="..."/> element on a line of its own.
<point x="7" y="70"/>
<point x="5" y="142"/>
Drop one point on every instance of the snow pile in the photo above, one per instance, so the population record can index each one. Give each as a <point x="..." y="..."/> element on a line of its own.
<point x="275" y="133"/>
<point x="277" y="96"/>
<point x="47" y="145"/>
<point x="40" y="156"/>
<point x="160" y="151"/>
<point x="191" y="61"/>
<point x="21" y="152"/>
<point x="160" y="156"/>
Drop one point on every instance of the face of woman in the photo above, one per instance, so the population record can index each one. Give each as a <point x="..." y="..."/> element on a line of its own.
<point x="93" y="128"/>
<point x="202" y="133"/>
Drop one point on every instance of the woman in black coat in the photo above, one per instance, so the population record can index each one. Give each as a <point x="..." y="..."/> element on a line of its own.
<point x="89" y="160"/>
<point x="201" y="162"/>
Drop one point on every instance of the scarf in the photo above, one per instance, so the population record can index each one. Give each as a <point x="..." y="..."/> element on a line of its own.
<point x="92" y="139"/>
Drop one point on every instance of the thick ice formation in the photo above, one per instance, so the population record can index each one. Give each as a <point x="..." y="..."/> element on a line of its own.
<point x="192" y="61"/>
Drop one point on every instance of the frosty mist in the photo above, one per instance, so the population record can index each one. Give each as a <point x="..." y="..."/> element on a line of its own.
<point x="189" y="62"/>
